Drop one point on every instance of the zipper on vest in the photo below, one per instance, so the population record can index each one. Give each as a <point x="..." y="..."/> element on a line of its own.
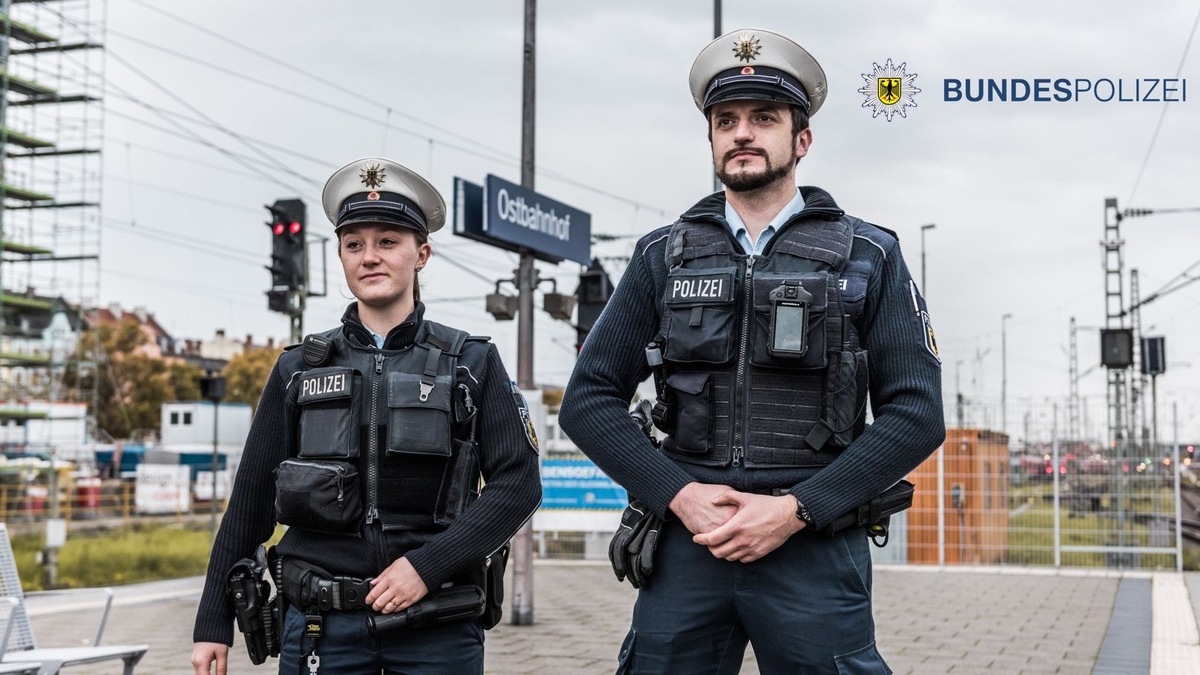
<point x="739" y="400"/>
<point x="373" y="443"/>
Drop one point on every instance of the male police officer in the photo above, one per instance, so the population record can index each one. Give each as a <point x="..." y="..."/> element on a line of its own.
<point x="766" y="314"/>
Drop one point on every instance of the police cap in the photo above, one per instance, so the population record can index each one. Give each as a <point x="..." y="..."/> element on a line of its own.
<point x="378" y="190"/>
<point x="752" y="63"/>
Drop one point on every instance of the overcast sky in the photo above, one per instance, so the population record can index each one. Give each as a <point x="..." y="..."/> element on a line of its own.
<point x="1016" y="189"/>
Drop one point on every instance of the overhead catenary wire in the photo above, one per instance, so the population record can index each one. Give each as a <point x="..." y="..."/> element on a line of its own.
<point x="280" y="165"/>
<point x="473" y="145"/>
<point x="1162" y="115"/>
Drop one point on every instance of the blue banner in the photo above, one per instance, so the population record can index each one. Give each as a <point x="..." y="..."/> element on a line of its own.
<point x="579" y="484"/>
<point x="523" y="217"/>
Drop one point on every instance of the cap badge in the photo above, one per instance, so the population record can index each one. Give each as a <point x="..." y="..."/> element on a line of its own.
<point x="748" y="70"/>
<point x="372" y="175"/>
<point x="747" y="47"/>
<point x="372" y="196"/>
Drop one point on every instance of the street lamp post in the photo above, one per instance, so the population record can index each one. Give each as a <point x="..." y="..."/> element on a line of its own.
<point x="928" y="226"/>
<point x="1004" y="372"/>
<point x="212" y="387"/>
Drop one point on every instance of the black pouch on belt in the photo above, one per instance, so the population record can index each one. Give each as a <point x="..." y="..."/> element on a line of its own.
<point x="875" y="514"/>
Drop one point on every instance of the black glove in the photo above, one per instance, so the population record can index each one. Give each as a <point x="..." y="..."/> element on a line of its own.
<point x="631" y="550"/>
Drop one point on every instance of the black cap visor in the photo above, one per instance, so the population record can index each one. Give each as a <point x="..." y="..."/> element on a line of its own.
<point x="762" y="84"/>
<point x="388" y="209"/>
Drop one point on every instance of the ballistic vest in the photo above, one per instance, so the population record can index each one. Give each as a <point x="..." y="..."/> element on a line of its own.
<point x="732" y="397"/>
<point x="399" y="419"/>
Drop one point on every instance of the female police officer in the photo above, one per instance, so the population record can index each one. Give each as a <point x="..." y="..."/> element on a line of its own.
<point x="369" y="442"/>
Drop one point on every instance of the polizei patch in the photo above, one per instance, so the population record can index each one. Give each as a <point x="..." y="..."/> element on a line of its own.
<point x="706" y="288"/>
<point x="325" y="384"/>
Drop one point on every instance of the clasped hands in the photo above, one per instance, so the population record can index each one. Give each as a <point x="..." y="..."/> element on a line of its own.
<point x="734" y="525"/>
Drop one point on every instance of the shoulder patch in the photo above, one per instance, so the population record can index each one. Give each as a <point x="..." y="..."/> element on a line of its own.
<point x="526" y="418"/>
<point x="927" y="336"/>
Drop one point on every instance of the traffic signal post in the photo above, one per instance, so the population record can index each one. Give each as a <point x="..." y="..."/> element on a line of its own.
<point x="289" y="262"/>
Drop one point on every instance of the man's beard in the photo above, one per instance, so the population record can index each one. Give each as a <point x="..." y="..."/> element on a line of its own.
<point x="748" y="182"/>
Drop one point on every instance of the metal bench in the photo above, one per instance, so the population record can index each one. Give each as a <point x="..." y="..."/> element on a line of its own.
<point x="19" y="649"/>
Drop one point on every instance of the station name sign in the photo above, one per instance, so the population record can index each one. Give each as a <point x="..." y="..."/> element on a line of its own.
<point x="509" y="216"/>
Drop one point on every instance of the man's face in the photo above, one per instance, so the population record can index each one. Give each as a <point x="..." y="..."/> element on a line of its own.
<point x="380" y="262"/>
<point x="753" y="145"/>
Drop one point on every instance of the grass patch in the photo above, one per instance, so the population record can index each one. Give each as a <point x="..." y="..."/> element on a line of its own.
<point x="119" y="556"/>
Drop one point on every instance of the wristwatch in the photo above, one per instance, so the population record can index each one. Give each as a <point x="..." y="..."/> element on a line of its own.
<point x="803" y="513"/>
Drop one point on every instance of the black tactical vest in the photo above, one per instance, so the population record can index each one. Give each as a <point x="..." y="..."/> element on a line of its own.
<point x="735" y="399"/>
<point x="396" y="422"/>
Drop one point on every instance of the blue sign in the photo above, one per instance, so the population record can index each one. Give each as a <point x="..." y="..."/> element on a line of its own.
<point x="468" y="216"/>
<point x="523" y="217"/>
<point x="579" y="484"/>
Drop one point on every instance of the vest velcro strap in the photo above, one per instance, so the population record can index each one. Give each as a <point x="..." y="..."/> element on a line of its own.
<point x="429" y="377"/>
<point x="697" y="315"/>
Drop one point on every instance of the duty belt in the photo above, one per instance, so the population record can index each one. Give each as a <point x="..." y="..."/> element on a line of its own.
<point x="311" y="587"/>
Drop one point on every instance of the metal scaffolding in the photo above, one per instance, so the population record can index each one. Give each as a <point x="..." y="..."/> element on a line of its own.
<point x="51" y="125"/>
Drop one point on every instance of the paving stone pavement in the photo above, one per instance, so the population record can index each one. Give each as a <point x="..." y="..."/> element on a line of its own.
<point x="929" y="621"/>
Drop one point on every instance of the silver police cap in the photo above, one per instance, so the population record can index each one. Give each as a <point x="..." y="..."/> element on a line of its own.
<point x="753" y="63"/>
<point x="378" y="190"/>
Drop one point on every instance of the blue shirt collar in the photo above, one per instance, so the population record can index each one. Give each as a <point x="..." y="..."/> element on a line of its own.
<point x="738" y="227"/>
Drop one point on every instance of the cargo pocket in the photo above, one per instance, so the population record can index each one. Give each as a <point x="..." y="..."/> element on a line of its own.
<point x="418" y="416"/>
<point x="865" y="661"/>
<point x="699" y="305"/>
<point x="693" y="412"/>
<point x="625" y="657"/>
<point x="460" y="483"/>
<point x="814" y="355"/>
<point x="329" y="413"/>
<point x="322" y="496"/>
<point x="846" y="397"/>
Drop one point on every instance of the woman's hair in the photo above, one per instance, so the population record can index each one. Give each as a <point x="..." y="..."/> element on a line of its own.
<point x="422" y="238"/>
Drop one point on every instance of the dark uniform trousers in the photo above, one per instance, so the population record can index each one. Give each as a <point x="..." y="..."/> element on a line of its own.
<point x="806" y="608"/>
<point x="346" y="648"/>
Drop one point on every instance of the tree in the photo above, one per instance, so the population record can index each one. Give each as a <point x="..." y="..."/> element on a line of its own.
<point x="132" y="386"/>
<point x="246" y="374"/>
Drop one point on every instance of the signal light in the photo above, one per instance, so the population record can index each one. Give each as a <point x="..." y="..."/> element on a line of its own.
<point x="289" y="264"/>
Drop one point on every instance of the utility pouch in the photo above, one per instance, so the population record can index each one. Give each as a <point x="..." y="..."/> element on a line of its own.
<point x="493" y="572"/>
<point x="329" y="413"/>
<point x="875" y="514"/>
<point x="700" y="315"/>
<point x="419" y="414"/>
<point x="318" y="495"/>
<point x="258" y="613"/>
<point x="460" y="483"/>
<point x="845" y="400"/>
<point x="789" y="320"/>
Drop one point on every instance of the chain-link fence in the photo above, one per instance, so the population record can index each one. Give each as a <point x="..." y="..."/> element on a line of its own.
<point x="1055" y="491"/>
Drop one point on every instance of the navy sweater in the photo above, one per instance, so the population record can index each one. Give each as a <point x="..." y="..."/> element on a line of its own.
<point x="508" y="464"/>
<point x="905" y="386"/>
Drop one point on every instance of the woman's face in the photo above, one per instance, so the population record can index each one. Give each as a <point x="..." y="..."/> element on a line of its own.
<point x="381" y="263"/>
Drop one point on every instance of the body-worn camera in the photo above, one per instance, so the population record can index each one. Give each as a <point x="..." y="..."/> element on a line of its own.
<point x="789" y="320"/>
